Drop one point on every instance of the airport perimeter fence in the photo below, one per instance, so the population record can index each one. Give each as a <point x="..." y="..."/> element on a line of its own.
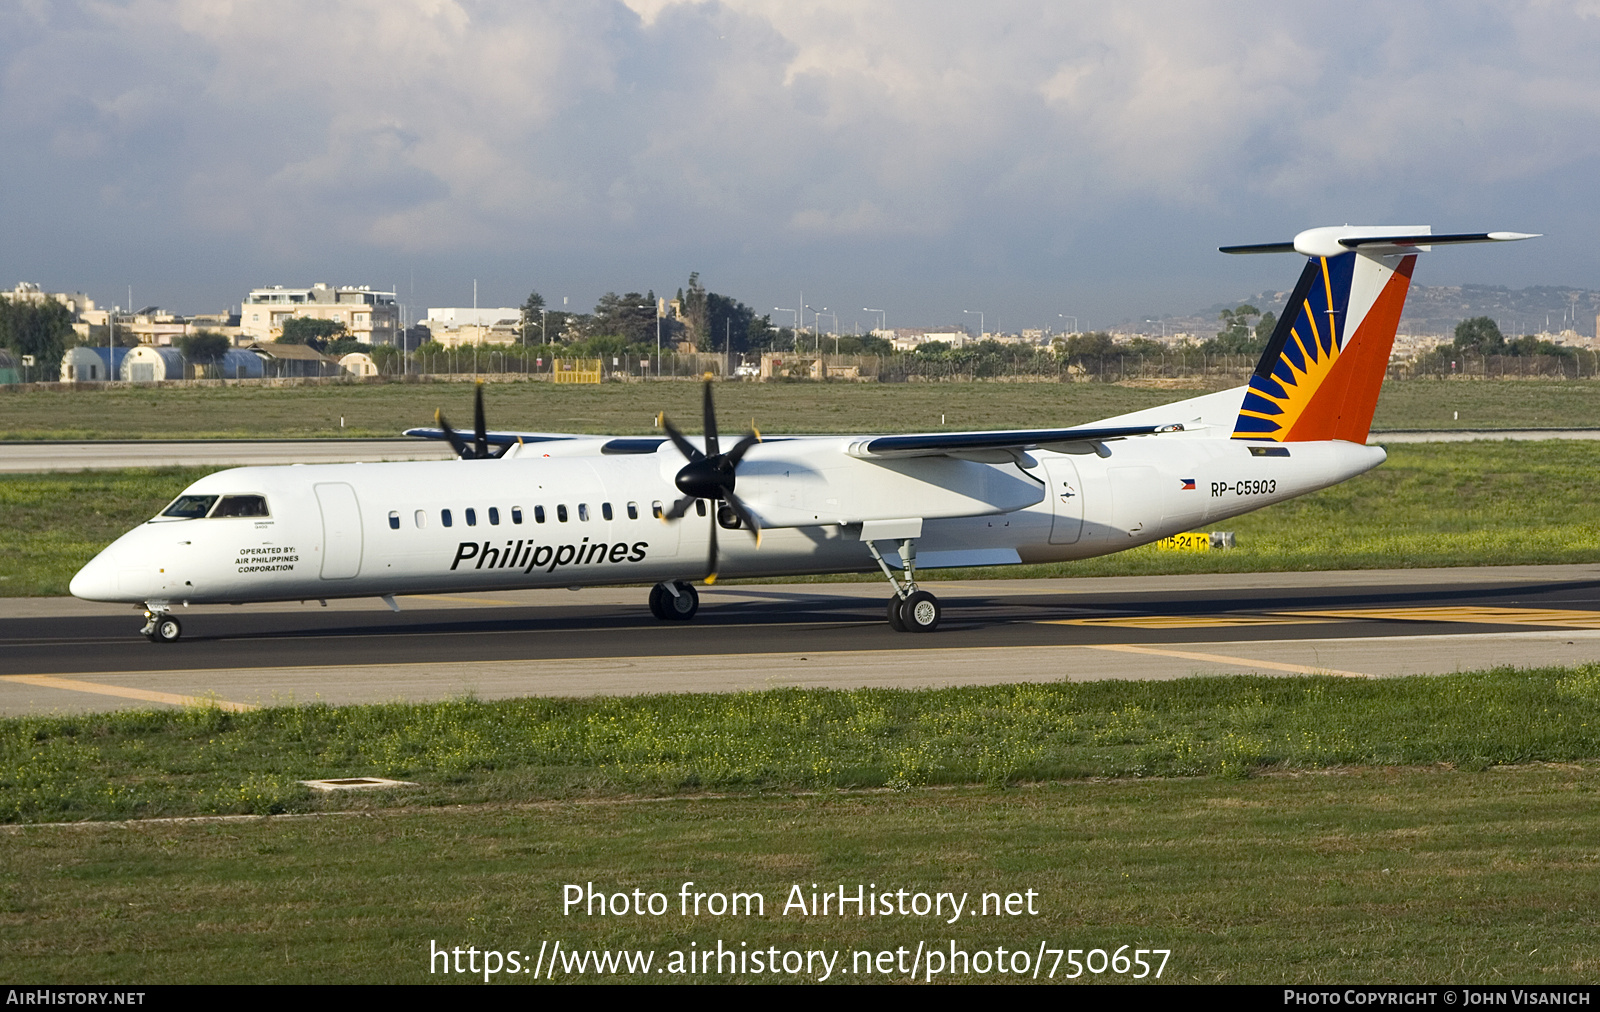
<point x="1185" y="367"/>
<point x="799" y="366"/>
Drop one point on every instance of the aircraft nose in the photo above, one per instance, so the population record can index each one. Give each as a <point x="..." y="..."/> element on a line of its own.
<point x="97" y="581"/>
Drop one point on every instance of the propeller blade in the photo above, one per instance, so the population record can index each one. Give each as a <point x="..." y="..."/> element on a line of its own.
<point x="480" y="433"/>
<point x="679" y="508"/>
<point x="737" y="453"/>
<point x="455" y="441"/>
<point x="711" y="574"/>
<point x="710" y="412"/>
<point x="684" y="446"/>
<point x="744" y="516"/>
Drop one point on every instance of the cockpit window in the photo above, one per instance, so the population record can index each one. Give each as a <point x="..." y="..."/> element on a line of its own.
<point x="241" y="506"/>
<point x="189" y="507"/>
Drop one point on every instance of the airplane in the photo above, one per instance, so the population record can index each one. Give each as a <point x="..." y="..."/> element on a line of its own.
<point x="528" y="509"/>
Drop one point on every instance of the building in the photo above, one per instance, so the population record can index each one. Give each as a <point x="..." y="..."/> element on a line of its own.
<point x="149" y="364"/>
<point x="370" y="317"/>
<point x="907" y="338"/>
<point x="293" y="360"/>
<point x="86" y="364"/>
<point x="77" y="303"/>
<point x="455" y="326"/>
<point x="358" y="363"/>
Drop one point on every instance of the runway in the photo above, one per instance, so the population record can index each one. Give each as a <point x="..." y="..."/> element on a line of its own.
<point x="61" y="655"/>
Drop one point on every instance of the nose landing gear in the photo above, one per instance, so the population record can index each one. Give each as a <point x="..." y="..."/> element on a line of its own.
<point x="159" y="624"/>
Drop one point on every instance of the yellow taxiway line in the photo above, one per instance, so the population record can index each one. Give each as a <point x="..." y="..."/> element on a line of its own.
<point x="1561" y="617"/>
<point x="99" y="688"/>
<point x="1241" y="662"/>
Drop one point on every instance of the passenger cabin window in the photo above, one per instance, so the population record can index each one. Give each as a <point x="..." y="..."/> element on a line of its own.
<point x="494" y="514"/>
<point x="633" y="511"/>
<point x="190" y="507"/>
<point x="538" y="514"/>
<point x="561" y="513"/>
<point x="605" y="510"/>
<point x="444" y="517"/>
<point x="516" y="514"/>
<point x="241" y="506"/>
<point x="655" y="509"/>
<point x="394" y="520"/>
<point x="583" y="512"/>
<point x="472" y="517"/>
<point x="420" y="518"/>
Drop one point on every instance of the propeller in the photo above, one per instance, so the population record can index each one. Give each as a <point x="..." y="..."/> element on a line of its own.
<point x="478" y="449"/>
<point x="711" y="474"/>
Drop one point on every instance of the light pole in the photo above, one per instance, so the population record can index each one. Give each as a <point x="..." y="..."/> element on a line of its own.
<point x="979" y="314"/>
<point x="1074" y="320"/>
<point x="658" y="340"/>
<point x="883" y="317"/>
<point x="796" y="312"/>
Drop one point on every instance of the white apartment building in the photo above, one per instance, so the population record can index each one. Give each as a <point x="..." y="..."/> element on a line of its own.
<point x="369" y="316"/>
<point x="458" y="326"/>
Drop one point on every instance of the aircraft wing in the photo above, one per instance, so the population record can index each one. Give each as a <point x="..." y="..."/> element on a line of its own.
<point x="498" y="438"/>
<point x="997" y="444"/>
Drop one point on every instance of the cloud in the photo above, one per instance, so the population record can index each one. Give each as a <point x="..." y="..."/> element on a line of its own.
<point x="1003" y="134"/>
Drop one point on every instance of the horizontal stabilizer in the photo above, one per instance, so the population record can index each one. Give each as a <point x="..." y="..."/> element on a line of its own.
<point x="1376" y="240"/>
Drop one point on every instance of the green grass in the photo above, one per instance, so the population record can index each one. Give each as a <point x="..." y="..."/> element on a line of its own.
<point x="387" y="409"/>
<point x="1439" y="504"/>
<point x="1408" y="875"/>
<point x="204" y="761"/>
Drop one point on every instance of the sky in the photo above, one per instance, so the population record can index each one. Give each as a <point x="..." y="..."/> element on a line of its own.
<point x="1033" y="162"/>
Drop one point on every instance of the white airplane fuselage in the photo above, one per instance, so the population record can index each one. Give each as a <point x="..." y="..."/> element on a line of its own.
<point x="527" y="521"/>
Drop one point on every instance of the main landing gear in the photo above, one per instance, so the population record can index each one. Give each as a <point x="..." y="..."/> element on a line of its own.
<point x="674" y="602"/>
<point x="159" y="624"/>
<point x="910" y="610"/>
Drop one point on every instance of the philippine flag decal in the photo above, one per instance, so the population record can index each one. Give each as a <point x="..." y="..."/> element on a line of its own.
<point x="1188" y="484"/>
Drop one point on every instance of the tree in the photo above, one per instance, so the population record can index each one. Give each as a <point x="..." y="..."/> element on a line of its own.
<point x="631" y="316"/>
<point x="204" y="347"/>
<point x="695" y="306"/>
<point x="1479" y="336"/>
<point x="316" y="334"/>
<point x="344" y="346"/>
<point x="1264" y="329"/>
<point x="1238" y="336"/>
<point x="1093" y="345"/>
<point x="533" y="312"/>
<point x="41" y="329"/>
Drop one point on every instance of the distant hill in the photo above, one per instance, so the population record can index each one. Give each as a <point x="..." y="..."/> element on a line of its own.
<point x="1436" y="309"/>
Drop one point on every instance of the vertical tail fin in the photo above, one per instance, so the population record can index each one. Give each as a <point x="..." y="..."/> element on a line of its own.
<point x="1321" y="371"/>
<point x="1320" y="374"/>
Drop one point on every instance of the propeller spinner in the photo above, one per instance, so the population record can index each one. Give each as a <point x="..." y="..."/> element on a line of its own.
<point x="711" y="474"/>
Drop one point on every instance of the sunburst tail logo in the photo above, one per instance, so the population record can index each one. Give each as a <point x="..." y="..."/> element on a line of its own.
<point x="1321" y="371"/>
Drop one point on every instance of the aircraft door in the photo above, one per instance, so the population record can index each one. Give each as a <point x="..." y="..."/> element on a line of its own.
<point x="1066" y="500"/>
<point x="341" y="531"/>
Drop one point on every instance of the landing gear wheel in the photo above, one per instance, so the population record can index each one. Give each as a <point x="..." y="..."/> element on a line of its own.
<point x="168" y="630"/>
<point x="669" y="607"/>
<point x="896" y="623"/>
<point x="683" y="607"/>
<point x="920" y="612"/>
